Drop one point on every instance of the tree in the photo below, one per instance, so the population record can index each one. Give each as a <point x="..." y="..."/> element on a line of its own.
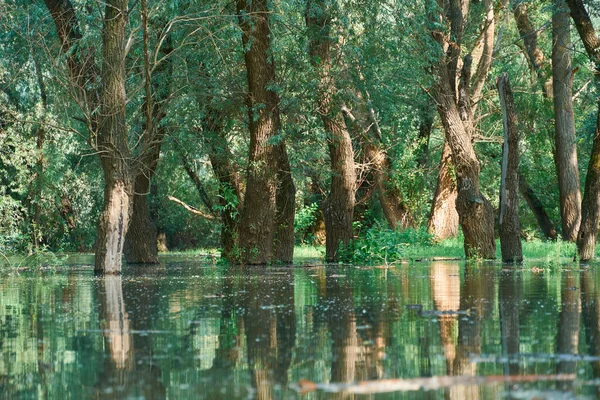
<point x="590" y="218"/>
<point x="339" y="205"/>
<point x="508" y="221"/>
<point x="141" y="240"/>
<point x="266" y="159"/>
<point x="475" y="212"/>
<point x="564" y="122"/>
<point x="106" y="120"/>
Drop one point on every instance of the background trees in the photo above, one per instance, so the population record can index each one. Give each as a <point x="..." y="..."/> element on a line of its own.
<point x="344" y="93"/>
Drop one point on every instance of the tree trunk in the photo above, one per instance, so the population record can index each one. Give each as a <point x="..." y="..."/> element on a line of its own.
<point x="443" y="218"/>
<point x="534" y="54"/>
<point x="286" y="209"/>
<point x="566" y="151"/>
<point x="112" y="143"/>
<point x="485" y="62"/>
<point x="38" y="180"/>
<point x="476" y="215"/>
<point x="257" y="229"/>
<point x="141" y="241"/>
<point x="230" y="192"/>
<point x="537" y="208"/>
<point x="339" y="206"/>
<point x="377" y="172"/>
<point x="590" y="218"/>
<point x="510" y="231"/>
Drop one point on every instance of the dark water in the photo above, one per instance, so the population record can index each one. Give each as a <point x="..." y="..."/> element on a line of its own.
<point x="191" y="331"/>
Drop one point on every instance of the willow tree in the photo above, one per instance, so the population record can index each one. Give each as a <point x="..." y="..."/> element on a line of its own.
<point x="565" y="155"/>
<point x="590" y="218"/>
<point x="101" y="95"/>
<point x="476" y="215"/>
<point x="270" y="191"/>
<point x="339" y="206"/>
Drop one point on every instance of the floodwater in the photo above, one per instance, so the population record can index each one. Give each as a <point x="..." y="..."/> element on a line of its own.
<point x="188" y="330"/>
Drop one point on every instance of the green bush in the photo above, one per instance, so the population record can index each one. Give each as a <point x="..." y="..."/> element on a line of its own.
<point x="303" y="221"/>
<point x="381" y="245"/>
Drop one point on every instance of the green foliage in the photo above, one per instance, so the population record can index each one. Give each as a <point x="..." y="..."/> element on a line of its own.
<point x="304" y="219"/>
<point x="381" y="245"/>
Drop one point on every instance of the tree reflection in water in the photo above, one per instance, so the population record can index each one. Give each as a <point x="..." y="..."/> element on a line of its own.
<point x="220" y="332"/>
<point x="129" y="368"/>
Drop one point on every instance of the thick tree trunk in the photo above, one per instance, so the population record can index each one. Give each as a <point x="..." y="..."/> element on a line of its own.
<point x="141" y="241"/>
<point x="257" y="229"/>
<point x="566" y="149"/>
<point x="112" y="143"/>
<point x="230" y="192"/>
<point x="590" y="218"/>
<point x="443" y="218"/>
<point x="510" y="231"/>
<point x="113" y="224"/>
<point x="286" y="209"/>
<point x="537" y="208"/>
<point x="339" y="206"/>
<point x="476" y="215"/>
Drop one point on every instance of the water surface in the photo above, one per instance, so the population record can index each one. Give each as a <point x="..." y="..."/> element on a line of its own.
<point x="188" y="330"/>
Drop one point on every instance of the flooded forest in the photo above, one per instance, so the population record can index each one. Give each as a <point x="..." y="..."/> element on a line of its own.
<point x="299" y="199"/>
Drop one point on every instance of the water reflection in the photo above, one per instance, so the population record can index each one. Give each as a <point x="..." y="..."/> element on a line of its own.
<point x="267" y="305"/>
<point x="214" y="332"/>
<point x="126" y="316"/>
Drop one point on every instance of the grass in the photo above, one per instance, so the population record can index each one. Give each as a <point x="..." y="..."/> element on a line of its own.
<point x="540" y="251"/>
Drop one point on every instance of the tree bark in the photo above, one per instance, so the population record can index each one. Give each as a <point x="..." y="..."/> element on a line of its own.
<point x="377" y="172"/>
<point x="476" y="215"/>
<point x="566" y="151"/>
<point x="112" y="143"/>
<point x="230" y="186"/>
<point x="339" y="206"/>
<point x="443" y="218"/>
<point x="590" y="218"/>
<point x="485" y="62"/>
<point x="534" y="54"/>
<point x="257" y="229"/>
<point x="510" y="231"/>
<point x="141" y="242"/>
<point x="285" y="209"/>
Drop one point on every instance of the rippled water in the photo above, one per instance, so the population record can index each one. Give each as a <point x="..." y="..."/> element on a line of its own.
<point x="187" y="330"/>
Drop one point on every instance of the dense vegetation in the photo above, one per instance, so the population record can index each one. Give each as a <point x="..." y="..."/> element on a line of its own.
<point x="257" y="125"/>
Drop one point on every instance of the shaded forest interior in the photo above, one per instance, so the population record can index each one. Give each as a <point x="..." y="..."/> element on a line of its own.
<point x="131" y="127"/>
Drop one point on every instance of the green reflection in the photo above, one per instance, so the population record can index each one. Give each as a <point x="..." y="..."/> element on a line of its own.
<point x="194" y="331"/>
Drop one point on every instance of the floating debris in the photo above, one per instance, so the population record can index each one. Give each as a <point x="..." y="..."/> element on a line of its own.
<point x="430" y="383"/>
